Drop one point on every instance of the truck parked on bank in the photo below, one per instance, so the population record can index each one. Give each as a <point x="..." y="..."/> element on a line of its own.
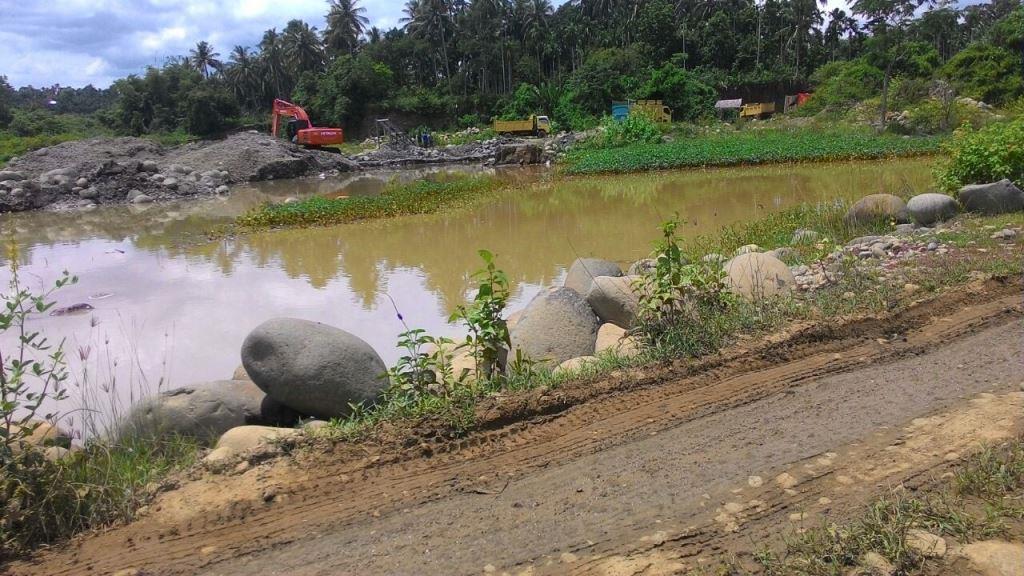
<point x="653" y="109"/>
<point x="533" y="126"/>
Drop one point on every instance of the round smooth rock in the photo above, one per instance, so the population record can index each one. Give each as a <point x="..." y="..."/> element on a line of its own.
<point x="995" y="198"/>
<point x="583" y="271"/>
<point x="927" y="209"/>
<point x="757" y="275"/>
<point x="613" y="299"/>
<point x="557" y="325"/>
<point x="878" y="207"/>
<point x="315" y="369"/>
<point x="202" y="411"/>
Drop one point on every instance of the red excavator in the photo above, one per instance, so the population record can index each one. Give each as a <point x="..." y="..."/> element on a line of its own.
<point x="300" y="130"/>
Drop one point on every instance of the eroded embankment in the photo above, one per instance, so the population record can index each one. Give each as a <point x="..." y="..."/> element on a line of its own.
<point x="588" y="470"/>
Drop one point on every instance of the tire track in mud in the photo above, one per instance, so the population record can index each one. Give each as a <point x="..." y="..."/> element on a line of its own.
<point x="901" y="459"/>
<point x="335" y="496"/>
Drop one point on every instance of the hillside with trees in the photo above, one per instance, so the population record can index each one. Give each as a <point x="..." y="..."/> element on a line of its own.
<point x="456" y="63"/>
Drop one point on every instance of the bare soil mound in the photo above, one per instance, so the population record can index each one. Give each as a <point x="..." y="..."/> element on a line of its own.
<point x="85" y="173"/>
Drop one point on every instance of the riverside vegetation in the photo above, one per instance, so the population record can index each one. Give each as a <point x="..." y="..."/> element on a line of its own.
<point x="747" y="148"/>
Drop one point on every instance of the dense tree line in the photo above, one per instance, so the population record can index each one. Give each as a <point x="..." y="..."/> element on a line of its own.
<point x="457" y="62"/>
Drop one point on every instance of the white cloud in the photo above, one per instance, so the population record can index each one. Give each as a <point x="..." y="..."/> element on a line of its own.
<point x="163" y="38"/>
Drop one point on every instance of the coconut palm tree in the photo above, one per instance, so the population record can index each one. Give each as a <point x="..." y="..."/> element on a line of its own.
<point x="345" y="23"/>
<point x="431" y="20"/>
<point x="204" y="59"/>
<point x="302" y="48"/>
<point x="244" y="77"/>
<point x="273" y="63"/>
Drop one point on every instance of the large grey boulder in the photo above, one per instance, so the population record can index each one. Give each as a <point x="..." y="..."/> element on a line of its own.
<point x="758" y="275"/>
<point x="557" y="325"/>
<point x="878" y="207"/>
<point x="613" y="299"/>
<point x="521" y="154"/>
<point x="583" y="271"/>
<point x="927" y="209"/>
<point x="203" y="411"/>
<point x="313" y="368"/>
<point x="11" y="175"/>
<point x="995" y="198"/>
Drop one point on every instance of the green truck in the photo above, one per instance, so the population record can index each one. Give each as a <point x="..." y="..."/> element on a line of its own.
<point x="533" y="126"/>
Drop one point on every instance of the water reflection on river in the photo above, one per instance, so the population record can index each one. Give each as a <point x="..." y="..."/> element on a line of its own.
<point x="178" y="309"/>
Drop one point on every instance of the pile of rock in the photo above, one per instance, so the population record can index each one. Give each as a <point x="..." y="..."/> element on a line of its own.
<point x="85" y="173"/>
<point x="394" y="155"/>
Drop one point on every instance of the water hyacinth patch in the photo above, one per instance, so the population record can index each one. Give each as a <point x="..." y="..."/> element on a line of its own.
<point x="421" y="197"/>
<point x="748" y="147"/>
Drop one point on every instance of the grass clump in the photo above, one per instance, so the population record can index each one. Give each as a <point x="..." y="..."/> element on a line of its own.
<point x="46" y="500"/>
<point x="982" y="498"/>
<point x="421" y="197"/>
<point x="748" y="147"/>
<point x="986" y="155"/>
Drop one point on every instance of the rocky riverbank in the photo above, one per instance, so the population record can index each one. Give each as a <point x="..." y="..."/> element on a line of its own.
<point x="293" y="370"/>
<point x="501" y="150"/>
<point x="87" y="173"/>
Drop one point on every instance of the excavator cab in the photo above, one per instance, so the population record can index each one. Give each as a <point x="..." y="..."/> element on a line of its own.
<point x="294" y="127"/>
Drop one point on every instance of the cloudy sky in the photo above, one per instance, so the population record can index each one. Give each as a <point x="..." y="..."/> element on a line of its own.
<point x="79" y="42"/>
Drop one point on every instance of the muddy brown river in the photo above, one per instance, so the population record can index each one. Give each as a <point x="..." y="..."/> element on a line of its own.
<point x="171" y="309"/>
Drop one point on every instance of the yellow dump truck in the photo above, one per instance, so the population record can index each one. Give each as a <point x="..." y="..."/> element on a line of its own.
<point x="533" y="126"/>
<point x="761" y="110"/>
<point x="653" y="109"/>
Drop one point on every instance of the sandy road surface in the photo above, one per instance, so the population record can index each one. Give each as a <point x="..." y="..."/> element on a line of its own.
<point x="646" y="480"/>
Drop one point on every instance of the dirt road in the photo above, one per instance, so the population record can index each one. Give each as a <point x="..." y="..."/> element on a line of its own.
<point x="671" y="469"/>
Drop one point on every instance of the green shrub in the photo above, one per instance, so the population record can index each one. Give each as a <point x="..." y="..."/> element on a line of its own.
<point x="933" y="116"/>
<point x="635" y="129"/>
<point x="986" y="155"/>
<point x="987" y="73"/>
<point x="684" y="308"/>
<point x="842" y="83"/>
<point x="488" y="338"/>
<point x="209" y="110"/>
<point x="681" y="90"/>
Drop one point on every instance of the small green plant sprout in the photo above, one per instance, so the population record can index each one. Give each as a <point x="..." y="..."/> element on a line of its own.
<point x="426" y="366"/>
<point x="674" y="292"/>
<point x="34" y="371"/>
<point x="488" y="338"/>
